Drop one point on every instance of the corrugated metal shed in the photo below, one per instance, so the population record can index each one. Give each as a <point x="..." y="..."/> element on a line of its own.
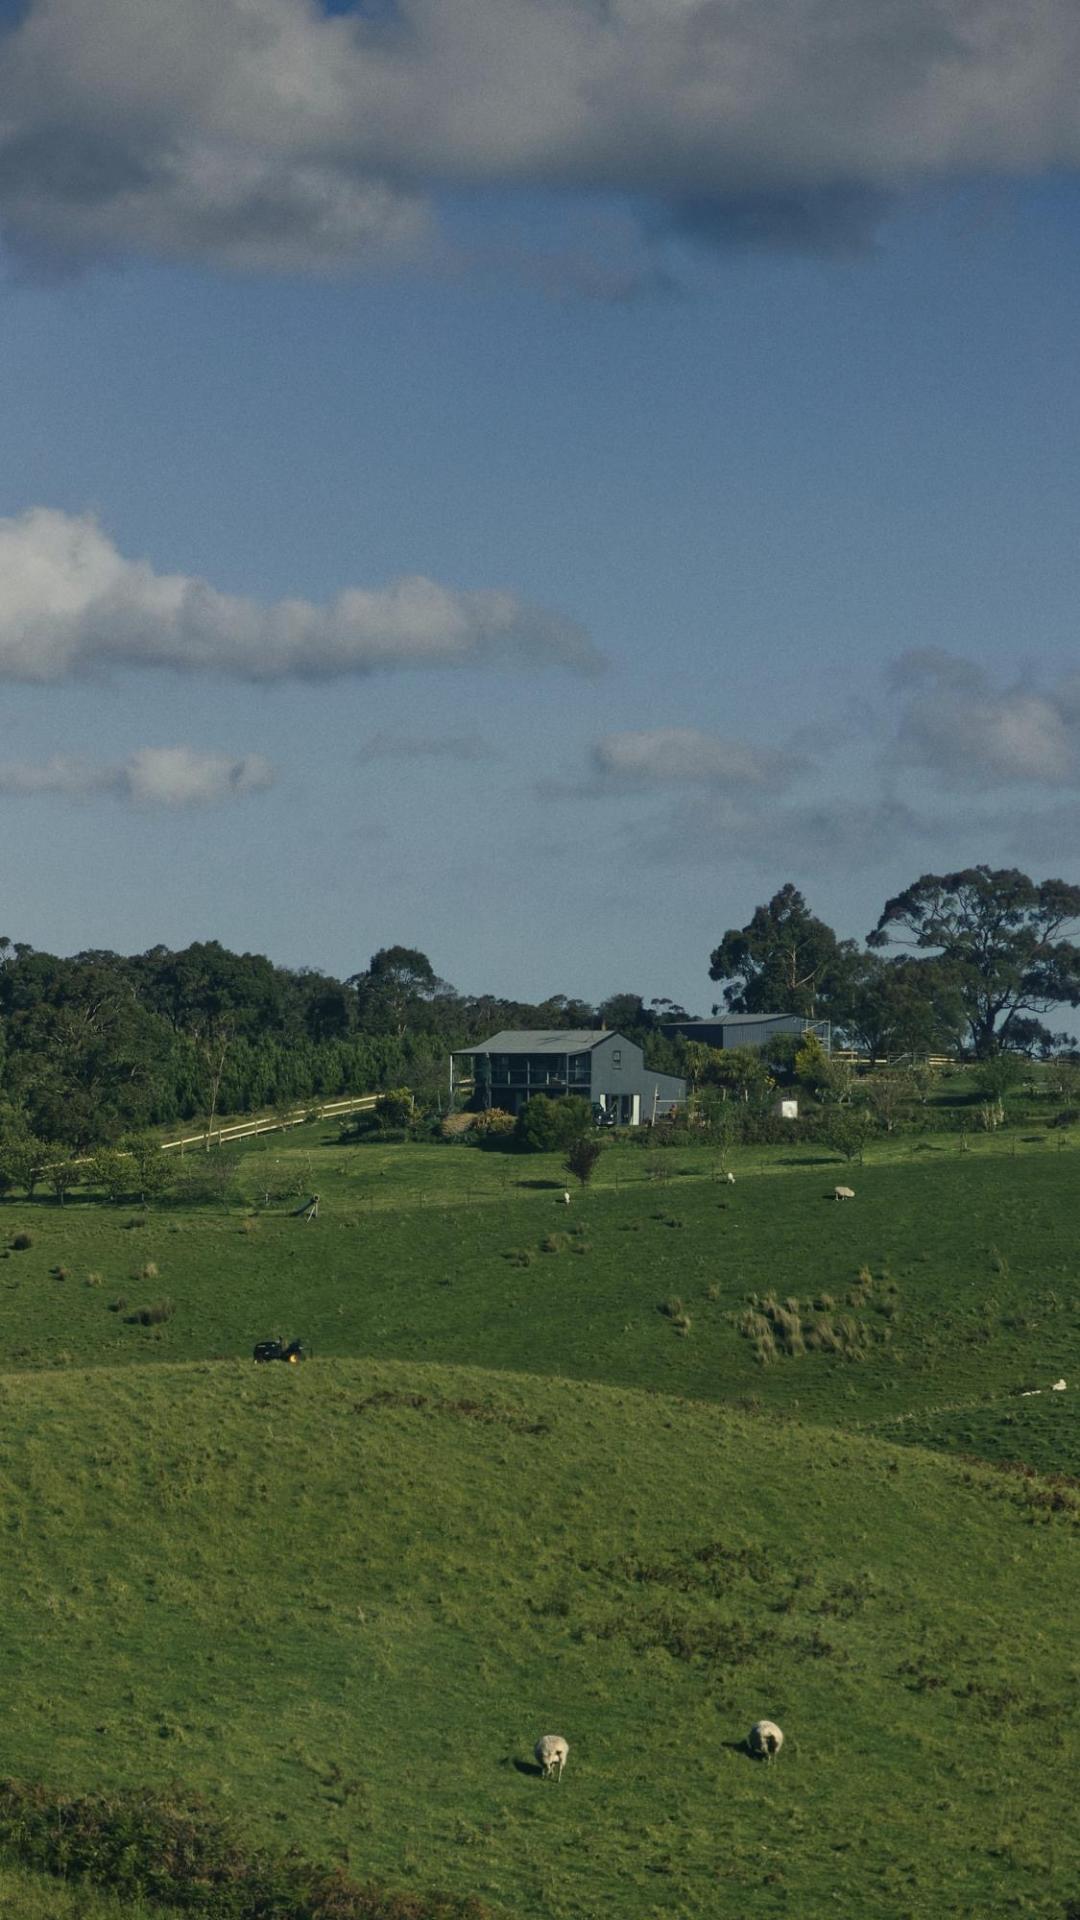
<point x="748" y="1029"/>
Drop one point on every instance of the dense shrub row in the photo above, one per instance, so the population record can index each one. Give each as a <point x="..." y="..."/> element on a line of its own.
<point x="175" y="1850"/>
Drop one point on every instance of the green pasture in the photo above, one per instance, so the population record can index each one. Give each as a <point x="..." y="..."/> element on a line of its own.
<point x="537" y="1477"/>
<point x="953" y="1278"/>
<point x="345" y="1600"/>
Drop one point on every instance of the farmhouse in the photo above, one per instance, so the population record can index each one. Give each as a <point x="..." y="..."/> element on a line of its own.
<point x="603" y="1067"/>
<point x="748" y="1029"/>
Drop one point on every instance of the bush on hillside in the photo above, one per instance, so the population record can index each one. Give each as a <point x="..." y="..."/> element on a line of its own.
<point x="178" y="1852"/>
<point x="546" y="1126"/>
<point x="582" y="1158"/>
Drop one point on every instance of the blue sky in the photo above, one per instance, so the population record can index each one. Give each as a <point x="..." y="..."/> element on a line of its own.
<point x="724" y="431"/>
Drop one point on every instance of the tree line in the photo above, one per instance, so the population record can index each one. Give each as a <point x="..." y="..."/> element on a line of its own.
<point x="100" y="1046"/>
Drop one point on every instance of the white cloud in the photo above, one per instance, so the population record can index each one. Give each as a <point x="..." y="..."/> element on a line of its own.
<point x="266" y="134"/>
<point x="151" y="777"/>
<point x="969" y="734"/>
<point x="70" y="603"/>
<point x="688" y="756"/>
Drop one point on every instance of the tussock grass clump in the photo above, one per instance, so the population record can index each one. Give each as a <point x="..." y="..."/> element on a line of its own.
<point x="61" y="1273"/>
<point x="154" y="1315"/>
<point x="137" y="1220"/>
<point x="93" y="1279"/>
<point x="520" y="1257"/>
<point x="674" y="1310"/>
<point x="148" y="1271"/>
<point x="789" y="1329"/>
<point x="758" y="1328"/>
<point x="251" y="1225"/>
<point x="553" y="1243"/>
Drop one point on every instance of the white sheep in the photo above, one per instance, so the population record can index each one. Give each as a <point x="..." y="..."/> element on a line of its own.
<point x="729" y="1179"/>
<point x="565" y="1198"/>
<point x="551" y="1751"/>
<point x="764" y="1739"/>
<point x="1058" y="1386"/>
<point x="843" y="1193"/>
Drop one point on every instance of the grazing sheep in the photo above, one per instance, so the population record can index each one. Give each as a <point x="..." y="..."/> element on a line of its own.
<point x="1058" y="1386"/>
<point x="551" y="1751"/>
<point x="729" y="1179"/>
<point x="843" y="1193"/>
<point x="764" y="1739"/>
<point x="565" y="1198"/>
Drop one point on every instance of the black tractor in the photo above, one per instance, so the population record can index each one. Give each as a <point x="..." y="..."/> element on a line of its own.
<point x="277" y="1350"/>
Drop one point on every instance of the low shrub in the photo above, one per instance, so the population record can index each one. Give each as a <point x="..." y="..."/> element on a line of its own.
<point x="176" y="1851"/>
<point x="20" y="1241"/>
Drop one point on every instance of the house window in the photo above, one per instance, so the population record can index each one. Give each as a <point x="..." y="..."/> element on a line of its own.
<point x="616" y="1056"/>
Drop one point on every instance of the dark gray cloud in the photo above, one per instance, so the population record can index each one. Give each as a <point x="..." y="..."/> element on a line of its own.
<point x="70" y="603"/>
<point x="834" y="220"/>
<point x="275" y="134"/>
<point x="827" y="834"/>
<point x="956" y="724"/>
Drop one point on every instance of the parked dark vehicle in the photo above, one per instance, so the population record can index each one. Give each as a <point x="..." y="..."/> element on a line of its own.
<point x="277" y="1350"/>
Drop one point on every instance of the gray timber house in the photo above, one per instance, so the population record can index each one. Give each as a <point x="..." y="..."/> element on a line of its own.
<point x="601" y="1066"/>
<point x="748" y="1029"/>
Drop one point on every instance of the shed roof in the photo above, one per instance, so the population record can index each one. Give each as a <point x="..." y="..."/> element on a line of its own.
<point x="543" y="1040"/>
<point x="744" y="1020"/>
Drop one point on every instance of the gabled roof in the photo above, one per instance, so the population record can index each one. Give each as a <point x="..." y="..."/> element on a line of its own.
<point x="545" y="1040"/>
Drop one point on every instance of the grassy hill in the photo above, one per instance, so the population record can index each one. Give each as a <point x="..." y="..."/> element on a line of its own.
<point x="950" y="1283"/>
<point x="346" y="1600"/>
<point x="639" y="1470"/>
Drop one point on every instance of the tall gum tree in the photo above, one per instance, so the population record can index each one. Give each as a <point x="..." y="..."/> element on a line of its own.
<point x="785" y="960"/>
<point x="1002" y="940"/>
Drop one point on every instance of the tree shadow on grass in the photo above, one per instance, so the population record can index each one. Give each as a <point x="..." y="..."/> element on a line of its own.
<point x="552" y="1186"/>
<point x="807" y="1160"/>
<point x="530" y="1769"/>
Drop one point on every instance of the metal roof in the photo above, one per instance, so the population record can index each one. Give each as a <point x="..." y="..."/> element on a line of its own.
<point x="544" y="1040"/>
<point x="743" y="1020"/>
